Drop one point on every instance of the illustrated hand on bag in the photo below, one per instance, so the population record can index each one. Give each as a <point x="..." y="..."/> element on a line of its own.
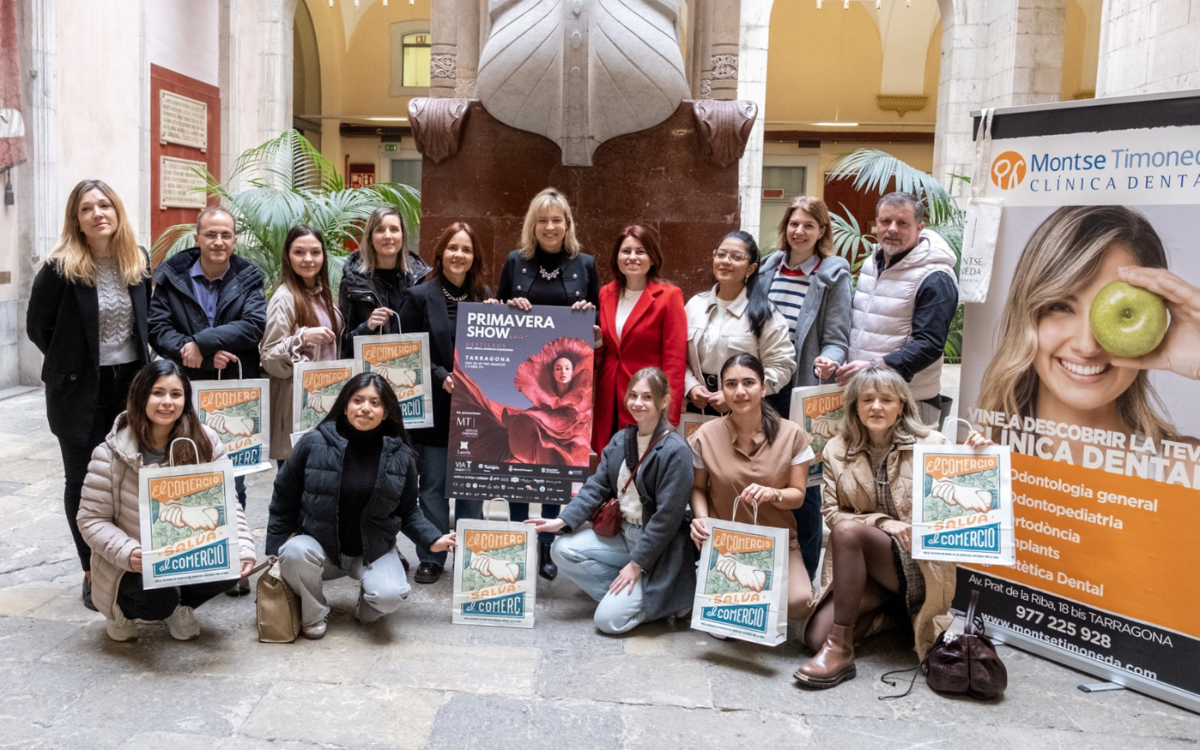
<point x="191" y="516"/>
<point x="746" y="576"/>
<point x="824" y="427"/>
<point x="320" y="402"/>
<point x="967" y="498"/>
<point x="493" y="568"/>
<point x="239" y="426"/>
<point x="397" y="377"/>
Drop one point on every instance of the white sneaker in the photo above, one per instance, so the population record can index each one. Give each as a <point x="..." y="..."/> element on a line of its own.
<point x="183" y="624"/>
<point x="314" y="632"/>
<point x="118" y="627"/>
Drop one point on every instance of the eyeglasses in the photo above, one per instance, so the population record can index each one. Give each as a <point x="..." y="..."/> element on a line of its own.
<point x="736" y="257"/>
<point x="214" y="236"/>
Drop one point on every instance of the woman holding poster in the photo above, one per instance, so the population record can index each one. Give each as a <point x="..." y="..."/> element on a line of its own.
<point x="159" y="411"/>
<point x="734" y="316"/>
<point x="646" y="571"/>
<point x="1048" y="363"/>
<point x="550" y="268"/>
<point x="642" y="324"/>
<point x="868" y="507"/>
<point x="752" y="454"/>
<point x="432" y="307"/>
<point x="341" y="498"/>
<point x="88" y="317"/>
<point x="303" y="325"/>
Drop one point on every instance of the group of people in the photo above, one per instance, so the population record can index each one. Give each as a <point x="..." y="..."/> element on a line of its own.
<point x="347" y="488"/>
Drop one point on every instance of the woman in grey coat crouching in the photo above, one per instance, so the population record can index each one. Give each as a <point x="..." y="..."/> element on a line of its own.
<point x="648" y="570"/>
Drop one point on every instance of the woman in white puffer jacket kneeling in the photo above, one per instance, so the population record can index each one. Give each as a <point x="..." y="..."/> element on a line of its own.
<point x="158" y="411"/>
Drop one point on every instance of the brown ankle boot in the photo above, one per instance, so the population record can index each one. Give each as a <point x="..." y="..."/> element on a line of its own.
<point x="833" y="664"/>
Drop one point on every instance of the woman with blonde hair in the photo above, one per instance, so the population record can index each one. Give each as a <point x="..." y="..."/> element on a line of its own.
<point x="303" y="325"/>
<point x="376" y="276"/>
<point x="810" y="287"/>
<point x="868" y="497"/>
<point x="1048" y="364"/>
<point x="549" y="268"/>
<point x="88" y="316"/>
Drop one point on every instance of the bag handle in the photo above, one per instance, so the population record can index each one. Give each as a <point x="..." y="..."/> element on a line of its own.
<point x="969" y="627"/>
<point x="171" y="450"/>
<point x="271" y="560"/>
<point x="239" y="364"/>
<point x="399" y="328"/>
<point x="951" y="420"/>
<point x="983" y="152"/>
<point x="736" y="501"/>
<point x="641" y="458"/>
<point x="487" y="504"/>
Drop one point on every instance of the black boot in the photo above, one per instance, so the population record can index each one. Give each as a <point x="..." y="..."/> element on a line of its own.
<point x="546" y="567"/>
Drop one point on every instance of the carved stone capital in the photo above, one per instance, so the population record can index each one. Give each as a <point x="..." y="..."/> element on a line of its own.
<point x="901" y="104"/>
<point x="437" y="125"/>
<point x="724" y="127"/>
<point x="444" y="65"/>
<point x="724" y="66"/>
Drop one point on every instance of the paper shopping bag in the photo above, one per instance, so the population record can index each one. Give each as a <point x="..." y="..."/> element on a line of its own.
<point x="188" y="518"/>
<point x="403" y="361"/>
<point x="741" y="586"/>
<point x="962" y="504"/>
<point x="818" y="409"/>
<point x="689" y="423"/>
<point x="981" y="228"/>
<point x="315" y="386"/>
<point x="239" y="411"/>
<point x="495" y="568"/>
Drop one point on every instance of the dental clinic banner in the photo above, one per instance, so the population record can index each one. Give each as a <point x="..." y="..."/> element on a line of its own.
<point x="1084" y="360"/>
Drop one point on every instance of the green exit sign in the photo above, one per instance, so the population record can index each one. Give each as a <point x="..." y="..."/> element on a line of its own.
<point x="389" y="147"/>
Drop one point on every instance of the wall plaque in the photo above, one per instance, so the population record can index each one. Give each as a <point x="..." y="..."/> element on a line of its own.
<point x="182" y="120"/>
<point x="180" y="185"/>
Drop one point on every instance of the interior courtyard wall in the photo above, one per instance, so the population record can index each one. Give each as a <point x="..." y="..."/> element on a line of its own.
<point x="1149" y="46"/>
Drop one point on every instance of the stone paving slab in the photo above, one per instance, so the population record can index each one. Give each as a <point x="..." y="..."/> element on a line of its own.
<point x="414" y="680"/>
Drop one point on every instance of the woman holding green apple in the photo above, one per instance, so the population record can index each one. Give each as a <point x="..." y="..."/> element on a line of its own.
<point x="1049" y="363"/>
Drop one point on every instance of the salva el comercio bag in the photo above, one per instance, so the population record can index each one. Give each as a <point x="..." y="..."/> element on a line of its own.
<point x="493" y="567"/>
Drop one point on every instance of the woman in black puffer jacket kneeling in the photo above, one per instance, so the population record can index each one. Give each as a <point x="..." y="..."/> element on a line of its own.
<point x="341" y="498"/>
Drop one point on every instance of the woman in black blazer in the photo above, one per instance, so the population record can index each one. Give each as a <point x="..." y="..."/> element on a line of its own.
<point x="432" y="307"/>
<point x="87" y="315"/>
<point x="549" y="268"/>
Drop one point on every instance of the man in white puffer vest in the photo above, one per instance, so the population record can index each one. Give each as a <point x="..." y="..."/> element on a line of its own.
<point x="906" y="297"/>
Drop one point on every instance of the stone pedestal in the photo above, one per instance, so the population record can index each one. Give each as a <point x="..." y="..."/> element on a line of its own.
<point x="662" y="177"/>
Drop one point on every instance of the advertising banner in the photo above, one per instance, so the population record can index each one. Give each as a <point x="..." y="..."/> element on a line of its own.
<point x="818" y="409"/>
<point x="1084" y="361"/>
<point x="493" y="574"/>
<point x="402" y="359"/>
<point x="521" y="413"/>
<point x="239" y="411"/>
<point x="189" y="524"/>
<point x="741" y="591"/>
<point x="315" y="386"/>
<point x="962" y="504"/>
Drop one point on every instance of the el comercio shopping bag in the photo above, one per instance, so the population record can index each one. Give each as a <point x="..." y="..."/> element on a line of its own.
<point x="495" y="568"/>
<point x="402" y="359"/>
<point x="818" y="409"/>
<point x="741" y="586"/>
<point x="315" y="386"/>
<point x="188" y="518"/>
<point x="239" y="411"/>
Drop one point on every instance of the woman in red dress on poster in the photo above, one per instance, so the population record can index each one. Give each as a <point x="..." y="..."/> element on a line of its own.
<point x="642" y="324"/>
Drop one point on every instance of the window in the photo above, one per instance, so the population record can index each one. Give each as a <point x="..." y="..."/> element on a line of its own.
<point x="415" y="68"/>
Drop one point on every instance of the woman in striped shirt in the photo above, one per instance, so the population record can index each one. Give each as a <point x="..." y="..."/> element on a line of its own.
<point x="810" y="287"/>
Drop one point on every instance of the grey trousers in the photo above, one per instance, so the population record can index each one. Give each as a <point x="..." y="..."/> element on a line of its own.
<point x="592" y="562"/>
<point x="305" y="566"/>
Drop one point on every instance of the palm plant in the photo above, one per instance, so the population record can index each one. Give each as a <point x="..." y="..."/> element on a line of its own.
<point x="284" y="182"/>
<point x="873" y="171"/>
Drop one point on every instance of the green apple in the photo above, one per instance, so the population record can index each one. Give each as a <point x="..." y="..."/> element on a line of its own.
<point x="1127" y="320"/>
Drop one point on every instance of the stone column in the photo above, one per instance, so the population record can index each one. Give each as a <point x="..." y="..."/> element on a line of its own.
<point x="229" y="26"/>
<point x="752" y="86"/>
<point x="720" y="74"/>
<point x="1148" y="46"/>
<point x="276" y="21"/>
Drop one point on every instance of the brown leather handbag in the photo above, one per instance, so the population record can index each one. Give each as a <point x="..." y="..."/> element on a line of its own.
<point x="276" y="608"/>
<point x="606" y="519"/>
<point x="963" y="663"/>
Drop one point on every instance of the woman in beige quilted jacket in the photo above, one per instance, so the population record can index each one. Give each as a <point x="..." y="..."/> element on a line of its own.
<point x="159" y="410"/>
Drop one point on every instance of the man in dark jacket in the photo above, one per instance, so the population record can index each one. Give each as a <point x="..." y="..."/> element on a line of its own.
<point x="208" y="309"/>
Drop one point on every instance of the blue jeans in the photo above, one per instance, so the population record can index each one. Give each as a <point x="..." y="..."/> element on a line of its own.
<point x="434" y="503"/>
<point x="592" y="562"/>
<point x="239" y="486"/>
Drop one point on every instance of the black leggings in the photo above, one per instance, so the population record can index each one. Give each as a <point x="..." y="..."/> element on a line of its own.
<point x="110" y="401"/>
<point x="157" y="604"/>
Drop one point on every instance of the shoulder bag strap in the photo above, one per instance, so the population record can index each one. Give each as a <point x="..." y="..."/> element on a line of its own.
<point x="634" y="471"/>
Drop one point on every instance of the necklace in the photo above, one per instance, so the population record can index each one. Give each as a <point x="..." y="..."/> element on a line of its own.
<point x="548" y="275"/>
<point x="452" y="297"/>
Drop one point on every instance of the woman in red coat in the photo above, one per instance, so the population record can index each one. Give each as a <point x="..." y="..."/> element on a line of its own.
<point x="642" y="324"/>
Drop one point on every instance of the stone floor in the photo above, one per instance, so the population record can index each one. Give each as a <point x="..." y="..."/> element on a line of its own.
<point x="416" y="681"/>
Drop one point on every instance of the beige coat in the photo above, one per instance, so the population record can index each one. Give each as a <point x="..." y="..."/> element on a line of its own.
<point x="280" y="349"/>
<point x="848" y="495"/>
<point x="109" y="519"/>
